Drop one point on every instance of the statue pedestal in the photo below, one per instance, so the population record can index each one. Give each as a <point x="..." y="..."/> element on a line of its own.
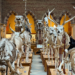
<point x="24" y="71"/>
<point x="53" y="72"/>
<point x="24" y="63"/>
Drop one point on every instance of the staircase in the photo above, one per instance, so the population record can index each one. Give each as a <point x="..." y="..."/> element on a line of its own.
<point x="37" y="67"/>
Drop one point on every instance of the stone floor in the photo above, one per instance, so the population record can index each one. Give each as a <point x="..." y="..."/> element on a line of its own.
<point x="37" y="67"/>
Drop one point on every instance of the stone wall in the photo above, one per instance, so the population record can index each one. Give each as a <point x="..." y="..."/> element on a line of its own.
<point x="38" y="7"/>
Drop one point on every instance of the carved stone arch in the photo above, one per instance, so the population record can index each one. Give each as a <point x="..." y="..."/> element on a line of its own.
<point x="52" y="14"/>
<point x="67" y="13"/>
<point x="32" y="14"/>
<point x="8" y="15"/>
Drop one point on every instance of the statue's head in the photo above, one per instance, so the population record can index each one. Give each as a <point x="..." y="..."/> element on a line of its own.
<point x="55" y="33"/>
<point x="18" y="20"/>
<point x="60" y="30"/>
<point x="51" y="30"/>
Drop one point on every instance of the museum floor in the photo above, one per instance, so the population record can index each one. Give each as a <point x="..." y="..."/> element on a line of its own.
<point x="37" y="67"/>
<point x="39" y="63"/>
<point x="40" y="66"/>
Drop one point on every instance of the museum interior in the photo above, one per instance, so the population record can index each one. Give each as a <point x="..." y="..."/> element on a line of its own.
<point x="37" y="37"/>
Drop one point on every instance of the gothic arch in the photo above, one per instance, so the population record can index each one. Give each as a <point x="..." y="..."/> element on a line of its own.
<point x="52" y="14"/>
<point x="8" y="15"/>
<point x="63" y="13"/>
<point x="33" y="15"/>
<point x="69" y="30"/>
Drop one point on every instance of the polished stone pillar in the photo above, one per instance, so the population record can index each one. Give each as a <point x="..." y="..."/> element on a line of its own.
<point x="42" y="36"/>
<point x="38" y="35"/>
<point x="73" y="31"/>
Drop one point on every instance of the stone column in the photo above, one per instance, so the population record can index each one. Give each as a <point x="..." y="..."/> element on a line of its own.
<point x="37" y="37"/>
<point x="4" y="31"/>
<point x="73" y="31"/>
<point x="0" y="17"/>
<point x="42" y="35"/>
<point x="0" y="11"/>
